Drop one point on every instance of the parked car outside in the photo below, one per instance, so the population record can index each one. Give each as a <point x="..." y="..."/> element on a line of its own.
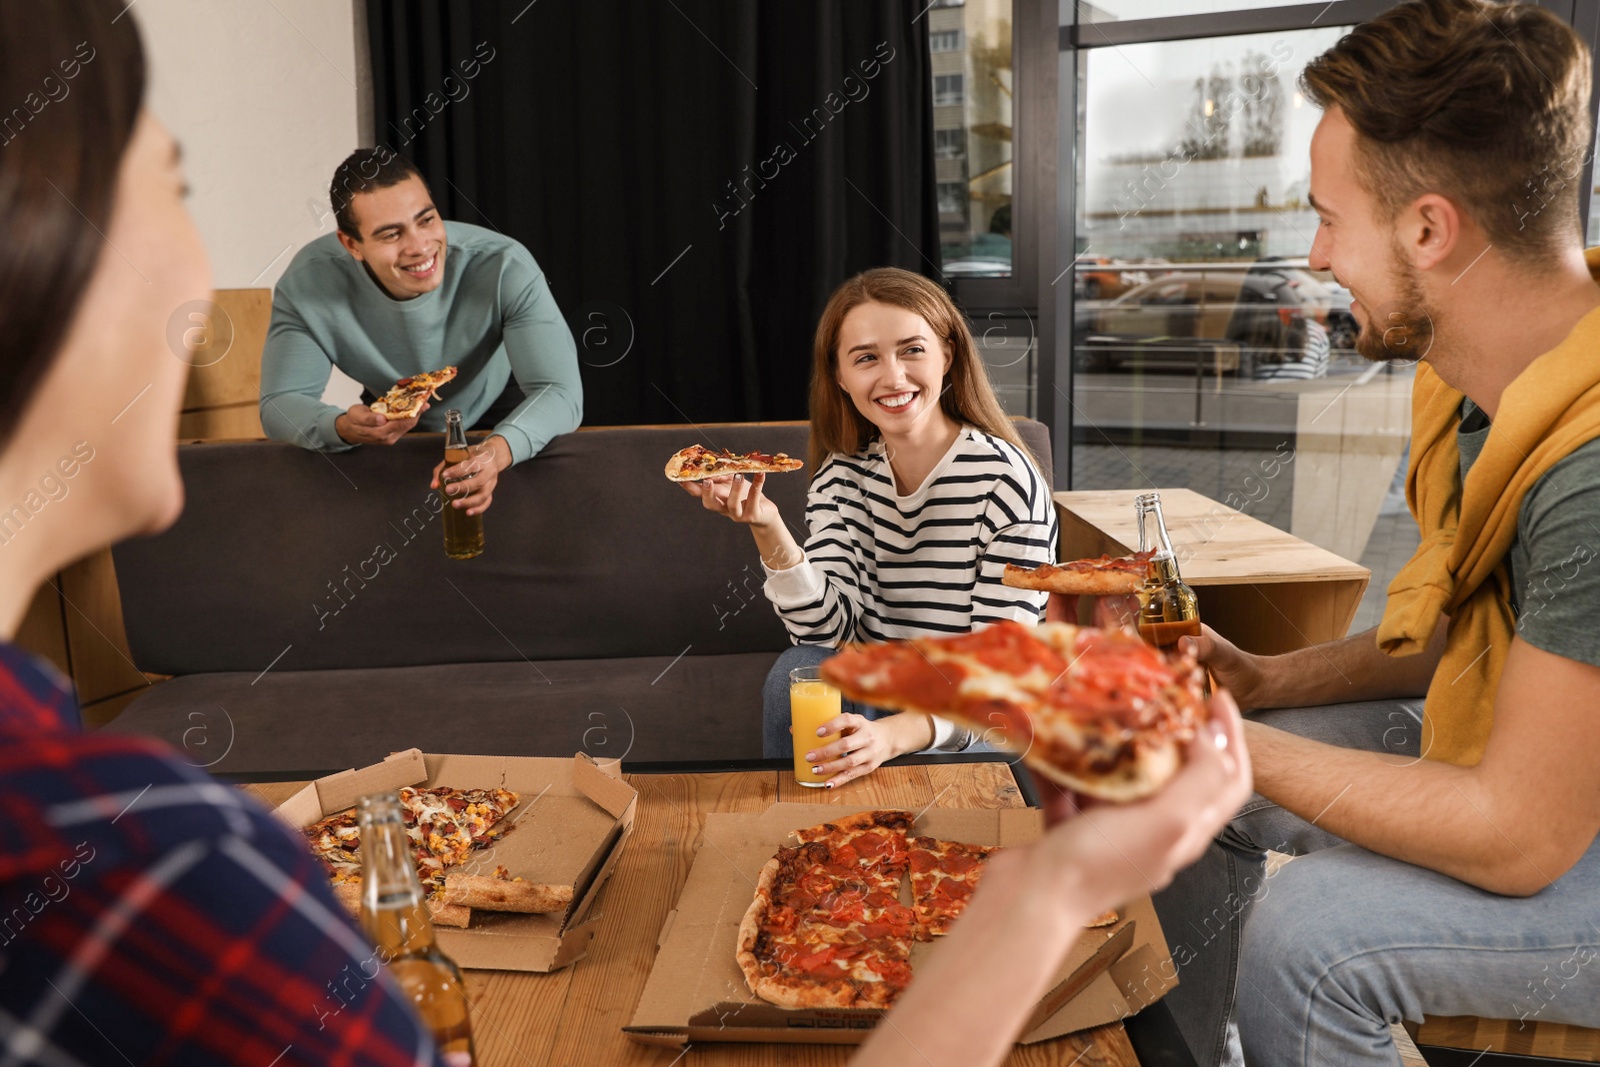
<point x="1247" y="319"/>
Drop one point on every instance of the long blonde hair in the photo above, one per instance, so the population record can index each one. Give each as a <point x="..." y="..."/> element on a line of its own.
<point x="836" y="425"/>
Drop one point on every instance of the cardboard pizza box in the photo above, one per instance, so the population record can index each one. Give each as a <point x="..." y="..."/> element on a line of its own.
<point x="570" y="824"/>
<point x="696" y="991"/>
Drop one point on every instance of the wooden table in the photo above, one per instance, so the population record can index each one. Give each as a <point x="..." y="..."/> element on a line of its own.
<point x="575" y="1015"/>
<point x="1265" y="590"/>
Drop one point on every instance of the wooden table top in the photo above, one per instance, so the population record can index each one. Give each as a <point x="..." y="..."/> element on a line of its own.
<point x="575" y="1015"/>
<point x="1216" y="544"/>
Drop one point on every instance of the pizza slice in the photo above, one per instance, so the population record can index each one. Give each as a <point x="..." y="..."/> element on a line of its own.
<point x="405" y="398"/>
<point x="815" y="937"/>
<point x="695" y="463"/>
<point x="1097" y="711"/>
<point x="501" y="892"/>
<point x="451" y="823"/>
<point x="870" y="843"/>
<point x="443" y="826"/>
<point x="943" y="876"/>
<point x="1105" y="576"/>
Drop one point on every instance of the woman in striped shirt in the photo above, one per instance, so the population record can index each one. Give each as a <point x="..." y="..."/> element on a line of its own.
<point x="923" y="492"/>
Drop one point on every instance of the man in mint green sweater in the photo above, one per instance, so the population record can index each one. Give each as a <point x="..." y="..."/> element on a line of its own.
<point x="397" y="291"/>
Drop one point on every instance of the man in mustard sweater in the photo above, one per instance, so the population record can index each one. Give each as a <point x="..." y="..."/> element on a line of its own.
<point x="396" y="291"/>
<point x="1437" y="776"/>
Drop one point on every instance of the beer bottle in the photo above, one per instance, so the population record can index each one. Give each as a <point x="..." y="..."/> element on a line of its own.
<point x="463" y="533"/>
<point x="1168" y="607"/>
<point x="394" y="914"/>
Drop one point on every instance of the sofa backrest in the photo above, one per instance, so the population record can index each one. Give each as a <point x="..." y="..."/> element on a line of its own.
<point x="296" y="560"/>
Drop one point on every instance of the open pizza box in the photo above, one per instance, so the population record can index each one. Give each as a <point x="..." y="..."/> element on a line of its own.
<point x="696" y="991"/>
<point x="570" y="824"/>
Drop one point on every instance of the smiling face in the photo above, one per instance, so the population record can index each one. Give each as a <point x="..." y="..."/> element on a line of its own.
<point x="1364" y="251"/>
<point x="402" y="238"/>
<point x="892" y="365"/>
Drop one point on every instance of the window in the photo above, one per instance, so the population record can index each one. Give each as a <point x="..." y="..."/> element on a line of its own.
<point x="1201" y="340"/>
<point x="948" y="89"/>
<point x="950" y="144"/>
<point x="972" y="138"/>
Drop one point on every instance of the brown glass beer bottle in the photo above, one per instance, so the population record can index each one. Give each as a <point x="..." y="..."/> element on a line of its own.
<point x="394" y="914"/>
<point x="463" y="533"/>
<point x="1168" y="607"/>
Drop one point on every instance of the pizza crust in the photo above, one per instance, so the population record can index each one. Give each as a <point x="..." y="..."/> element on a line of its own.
<point x="1137" y="777"/>
<point x="498" y="894"/>
<point x="448" y="914"/>
<point x="1072" y="582"/>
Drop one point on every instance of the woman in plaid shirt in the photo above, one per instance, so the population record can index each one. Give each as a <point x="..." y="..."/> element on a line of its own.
<point x="148" y="914"/>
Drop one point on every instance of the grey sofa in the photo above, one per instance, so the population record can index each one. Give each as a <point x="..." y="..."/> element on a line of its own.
<point x="305" y="606"/>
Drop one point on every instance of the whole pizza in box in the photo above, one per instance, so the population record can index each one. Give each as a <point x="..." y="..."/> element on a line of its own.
<point x="827" y="928"/>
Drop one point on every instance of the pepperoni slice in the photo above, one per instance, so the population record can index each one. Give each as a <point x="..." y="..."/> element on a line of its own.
<point x="1011" y="650"/>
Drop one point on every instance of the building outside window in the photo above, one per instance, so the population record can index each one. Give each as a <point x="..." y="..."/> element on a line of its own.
<point x="952" y="198"/>
<point x="970" y="59"/>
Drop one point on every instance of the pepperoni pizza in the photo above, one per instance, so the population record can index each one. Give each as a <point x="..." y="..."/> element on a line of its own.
<point x="1098" y="711"/>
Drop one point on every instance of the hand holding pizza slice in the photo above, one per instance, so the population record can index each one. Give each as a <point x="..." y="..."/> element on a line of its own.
<point x="405" y="399"/>
<point x="1097" y="711"/>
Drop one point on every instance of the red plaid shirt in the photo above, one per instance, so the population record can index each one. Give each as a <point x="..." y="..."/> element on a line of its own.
<point x="151" y="915"/>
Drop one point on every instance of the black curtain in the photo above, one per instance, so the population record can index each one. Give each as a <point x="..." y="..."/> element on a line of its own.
<point x="694" y="176"/>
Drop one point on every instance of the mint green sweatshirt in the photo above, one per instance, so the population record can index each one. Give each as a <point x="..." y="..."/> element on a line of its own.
<point x="492" y="316"/>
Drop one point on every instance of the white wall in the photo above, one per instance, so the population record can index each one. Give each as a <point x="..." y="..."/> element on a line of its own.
<point x="263" y="95"/>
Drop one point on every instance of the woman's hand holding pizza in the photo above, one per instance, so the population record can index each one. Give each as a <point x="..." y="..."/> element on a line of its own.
<point x="739" y="497"/>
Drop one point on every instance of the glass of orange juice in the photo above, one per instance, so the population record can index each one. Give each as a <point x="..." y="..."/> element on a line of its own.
<point x="812" y="702"/>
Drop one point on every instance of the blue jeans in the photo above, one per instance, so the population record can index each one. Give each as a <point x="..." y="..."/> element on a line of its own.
<point x="775" y="740"/>
<point x="1341" y="942"/>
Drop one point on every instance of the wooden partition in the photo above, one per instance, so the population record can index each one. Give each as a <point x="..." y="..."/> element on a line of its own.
<point x="224" y="394"/>
<point x="75" y="620"/>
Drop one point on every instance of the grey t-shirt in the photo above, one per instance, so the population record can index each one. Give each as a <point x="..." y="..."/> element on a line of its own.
<point x="1555" y="577"/>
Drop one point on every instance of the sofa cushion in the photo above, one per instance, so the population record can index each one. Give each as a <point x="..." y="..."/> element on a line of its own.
<point x="646" y="709"/>
<point x="337" y="561"/>
<point x="314" y="621"/>
<point x="302" y="561"/>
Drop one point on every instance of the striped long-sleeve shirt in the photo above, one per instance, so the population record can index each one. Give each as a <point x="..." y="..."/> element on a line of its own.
<point x="881" y="566"/>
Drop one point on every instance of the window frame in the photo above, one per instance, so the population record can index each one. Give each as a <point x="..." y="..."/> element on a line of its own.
<point x="960" y="89"/>
<point x="1046" y="130"/>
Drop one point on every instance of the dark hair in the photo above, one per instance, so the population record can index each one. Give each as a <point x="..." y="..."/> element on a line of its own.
<point x="1480" y="102"/>
<point x="363" y="171"/>
<point x="73" y="78"/>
